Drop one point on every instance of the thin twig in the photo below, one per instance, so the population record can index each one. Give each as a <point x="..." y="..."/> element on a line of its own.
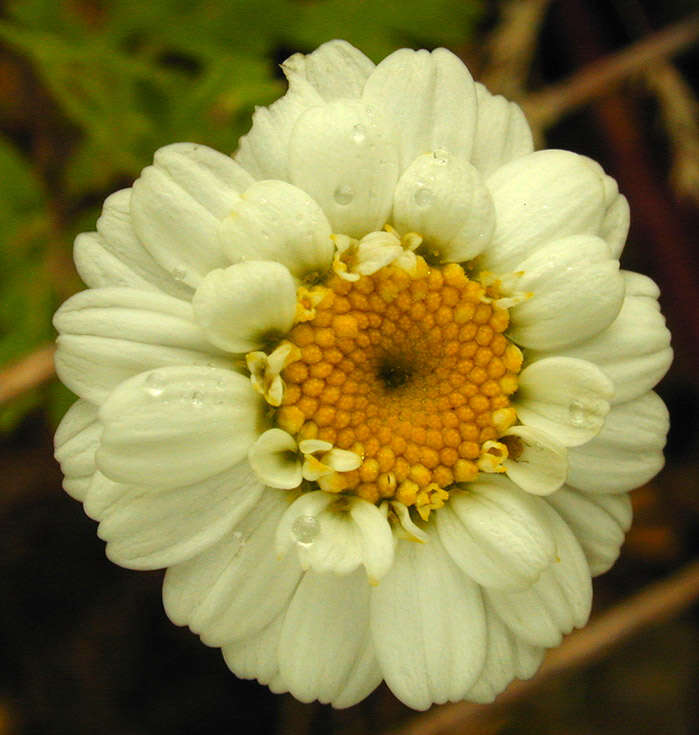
<point x="655" y="604"/>
<point x="30" y="372"/>
<point x="550" y="104"/>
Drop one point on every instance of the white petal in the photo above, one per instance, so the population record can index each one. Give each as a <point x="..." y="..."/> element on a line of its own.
<point x="277" y="221"/>
<point x="445" y="200"/>
<point x="542" y="466"/>
<point x="565" y="397"/>
<point x="274" y="459"/>
<point x="502" y="132"/>
<point x="634" y="351"/>
<point x="428" y="625"/>
<point x="544" y="196"/>
<point x="615" y="223"/>
<point x="238" y="586"/>
<point x="576" y="289"/>
<point x="177" y="425"/>
<point x="234" y="308"/>
<point x="77" y="438"/>
<point x="111" y="334"/>
<point x="147" y="529"/>
<point x="560" y="599"/>
<point x="101" y="493"/>
<point x="114" y="256"/>
<point x="506" y="658"/>
<point x="599" y="522"/>
<point x="362" y="680"/>
<point x="627" y="452"/>
<point x="335" y="69"/>
<point x="256" y="657"/>
<point x="175" y="227"/>
<point x="336" y="540"/>
<point x="431" y="100"/>
<point x="325" y="629"/>
<point x="342" y="155"/>
<point x="496" y="533"/>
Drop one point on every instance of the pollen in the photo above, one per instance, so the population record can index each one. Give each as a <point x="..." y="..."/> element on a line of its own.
<point x="411" y="371"/>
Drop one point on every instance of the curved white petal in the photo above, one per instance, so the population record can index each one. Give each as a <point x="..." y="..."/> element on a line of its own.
<point x="364" y="677"/>
<point x="101" y="493"/>
<point x="599" y="521"/>
<point x="336" y="69"/>
<point x="616" y="219"/>
<point x="148" y="529"/>
<point x="565" y="397"/>
<point x="114" y="256"/>
<point x="543" y="196"/>
<point x="430" y="99"/>
<point x="558" y="601"/>
<point x="76" y="441"/>
<point x="496" y="533"/>
<point x="444" y="199"/>
<point x="234" y="308"/>
<point x="238" y="586"/>
<point x="627" y="452"/>
<point x="576" y="289"/>
<point x="325" y="629"/>
<point x="541" y="464"/>
<point x="341" y="153"/>
<point x="177" y="425"/>
<point x="337" y="535"/>
<point x="256" y="657"/>
<point x="274" y="459"/>
<point x="175" y="212"/>
<point x="634" y="351"/>
<point x="502" y="132"/>
<point x="277" y="221"/>
<point x="506" y="658"/>
<point x="426" y="654"/>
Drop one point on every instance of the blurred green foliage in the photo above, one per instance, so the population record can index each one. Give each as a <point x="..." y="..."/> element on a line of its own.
<point x="92" y="88"/>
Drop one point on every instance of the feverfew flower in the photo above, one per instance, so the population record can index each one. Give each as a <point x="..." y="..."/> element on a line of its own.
<point x="374" y="390"/>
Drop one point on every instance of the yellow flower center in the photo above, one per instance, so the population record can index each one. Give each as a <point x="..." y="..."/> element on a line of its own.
<point x="409" y="370"/>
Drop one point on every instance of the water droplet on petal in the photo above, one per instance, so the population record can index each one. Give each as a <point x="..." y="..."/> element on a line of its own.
<point x="577" y="413"/>
<point x="423" y="197"/>
<point x="305" y="529"/>
<point x="344" y="194"/>
<point x="154" y="385"/>
<point x="358" y="134"/>
<point x="179" y="274"/>
<point x="197" y="399"/>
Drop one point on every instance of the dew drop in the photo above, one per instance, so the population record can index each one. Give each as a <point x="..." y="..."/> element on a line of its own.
<point x="179" y="274"/>
<point x="358" y="134"/>
<point x="154" y="385"/>
<point x="577" y="413"/>
<point x="305" y="529"/>
<point x="423" y="197"/>
<point x="344" y="194"/>
<point x="197" y="399"/>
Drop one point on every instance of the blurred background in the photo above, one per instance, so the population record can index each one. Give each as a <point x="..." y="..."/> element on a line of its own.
<point x="89" y="89"/>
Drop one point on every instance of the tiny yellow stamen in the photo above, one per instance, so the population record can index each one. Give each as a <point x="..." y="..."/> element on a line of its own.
<point x="431" y="498"/>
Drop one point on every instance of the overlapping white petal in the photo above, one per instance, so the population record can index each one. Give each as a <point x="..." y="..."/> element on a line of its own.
<point x="615" y="223"/>
<point x="445" y="199"/>
<point x="496" y="533"/>
<point x="176" y="205"/>
<point x="426" y="655"/>
<point x="275" y="459"/>
<point x="234" y="308"/>
<point x="342" y="155"/>
<point x="634" y="351"/>
<point x="336" y="535"/>
<point x="215" y="592"/>
<point x="149" y="529"/>
<point x="558" y="601"/>
<point x="76" y="441"/>
<point x="502" y="132"/>
<point x="540" y="464"/>
<point x="255" y="657"/>
<point x="541" y="197"/>
<point x="430" y="100"/>
<point x="177" y="425"/>
<point x="576" y="292"/>
<point x="277" y="221"/>
<point x="564" y="397"/>
<point x="627" y="452"/>
<point x="599" y="522"/>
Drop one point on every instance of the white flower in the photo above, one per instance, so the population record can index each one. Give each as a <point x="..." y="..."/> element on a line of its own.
<point x="337" y="383"/>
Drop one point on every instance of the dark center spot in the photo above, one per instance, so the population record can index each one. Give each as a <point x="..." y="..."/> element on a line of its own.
<point x="394" y="373"/>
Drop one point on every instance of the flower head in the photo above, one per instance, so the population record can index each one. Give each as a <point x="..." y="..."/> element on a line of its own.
<point x="374" y="390"/>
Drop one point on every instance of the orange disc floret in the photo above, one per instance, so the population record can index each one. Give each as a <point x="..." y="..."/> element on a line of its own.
<point x="410" y="370"/>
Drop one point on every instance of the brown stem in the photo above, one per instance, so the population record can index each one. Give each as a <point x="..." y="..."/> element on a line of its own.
<point x="544" y="108"/>
<point x="28" y="373"/>
<point x="655" y="604"/>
